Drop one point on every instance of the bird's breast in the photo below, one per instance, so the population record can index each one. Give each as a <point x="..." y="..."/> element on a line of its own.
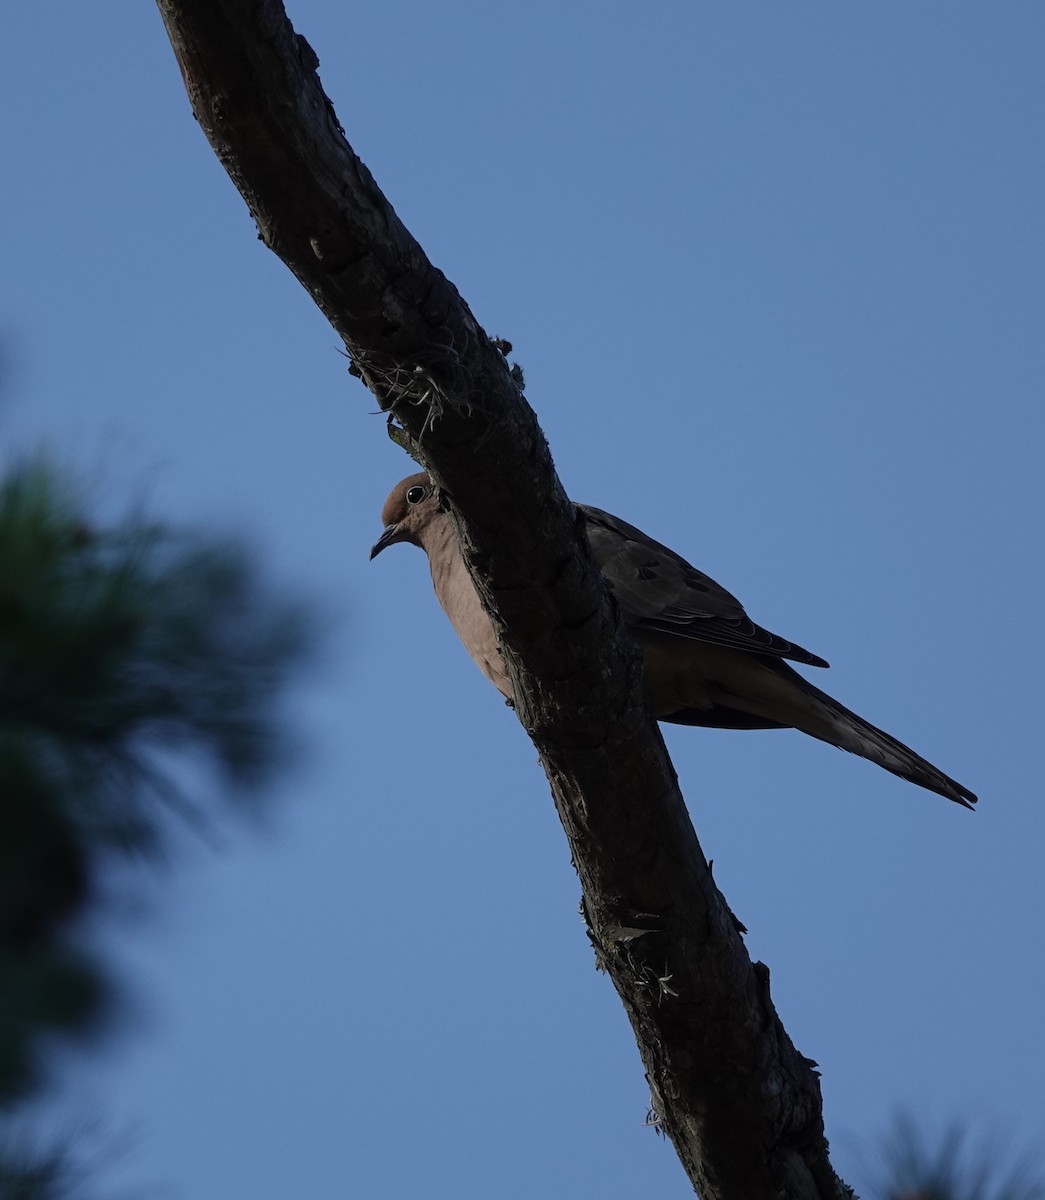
<point x="460" y="601"/>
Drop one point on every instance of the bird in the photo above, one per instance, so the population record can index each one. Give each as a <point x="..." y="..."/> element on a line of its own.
<point x="706" y="663"/>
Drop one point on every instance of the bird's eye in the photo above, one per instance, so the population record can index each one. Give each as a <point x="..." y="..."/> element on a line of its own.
<point x="415" y="494"/>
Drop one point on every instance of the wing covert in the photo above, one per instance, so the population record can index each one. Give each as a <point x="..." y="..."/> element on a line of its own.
<point x="658" y="590"/>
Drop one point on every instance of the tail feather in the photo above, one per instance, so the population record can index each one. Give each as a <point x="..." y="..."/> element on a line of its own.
<point x="842" y="727"/>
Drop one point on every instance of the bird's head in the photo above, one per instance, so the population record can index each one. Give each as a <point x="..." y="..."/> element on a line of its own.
<point x="411" y="504"/>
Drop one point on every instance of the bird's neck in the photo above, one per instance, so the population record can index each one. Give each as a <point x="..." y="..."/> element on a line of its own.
<point x="440" y="544"/>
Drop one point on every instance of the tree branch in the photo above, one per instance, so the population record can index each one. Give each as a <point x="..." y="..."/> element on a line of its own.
<point x="741" y="1105"/>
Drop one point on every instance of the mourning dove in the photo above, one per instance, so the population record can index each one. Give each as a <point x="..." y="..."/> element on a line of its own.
<point x="706" y="662"/>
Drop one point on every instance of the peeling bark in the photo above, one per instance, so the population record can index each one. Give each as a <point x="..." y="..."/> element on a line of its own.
<point x="738" y="1101"/>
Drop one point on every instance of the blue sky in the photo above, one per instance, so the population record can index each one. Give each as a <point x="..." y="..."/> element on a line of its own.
<point x="774" y="273"/>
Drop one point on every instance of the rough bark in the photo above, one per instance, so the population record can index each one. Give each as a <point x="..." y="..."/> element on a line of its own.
<point x="741" y="1105"/>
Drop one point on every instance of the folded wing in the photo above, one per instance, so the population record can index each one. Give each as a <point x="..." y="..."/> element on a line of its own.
<point x="658" y="590"/>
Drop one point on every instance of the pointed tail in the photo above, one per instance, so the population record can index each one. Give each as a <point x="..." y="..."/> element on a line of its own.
<point x="834" y="723"/>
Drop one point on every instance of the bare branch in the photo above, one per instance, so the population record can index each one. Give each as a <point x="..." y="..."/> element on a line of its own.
<point x="741" y="1105"/>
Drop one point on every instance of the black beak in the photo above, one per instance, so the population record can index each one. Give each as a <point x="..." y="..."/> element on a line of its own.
<point x="388" y="538"/>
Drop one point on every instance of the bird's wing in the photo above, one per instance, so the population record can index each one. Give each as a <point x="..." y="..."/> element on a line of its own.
<point x="658" y="590"/>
